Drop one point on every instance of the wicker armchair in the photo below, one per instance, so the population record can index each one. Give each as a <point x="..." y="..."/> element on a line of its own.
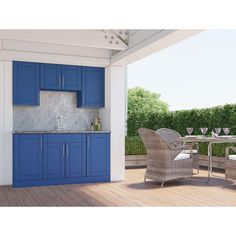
<point x="165" y="162"/>
<point x="230" y="164"/>
<point x="173" y="138"/>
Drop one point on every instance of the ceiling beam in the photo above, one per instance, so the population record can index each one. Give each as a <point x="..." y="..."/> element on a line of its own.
<point x="11" y="55"/>
<point x="85" y="38"/>
<point x="153" y="44"/>
<point x="52" y="48"/>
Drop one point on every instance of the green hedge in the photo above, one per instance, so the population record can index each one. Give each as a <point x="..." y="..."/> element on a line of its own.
<point x="220" y="116"/>
<point x="134" y="146"/>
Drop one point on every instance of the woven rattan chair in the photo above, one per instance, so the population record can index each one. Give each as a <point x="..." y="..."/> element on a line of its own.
<point x="173" y="138"/>
<point x="165" y="162"/>
<point x="230" y="164"/>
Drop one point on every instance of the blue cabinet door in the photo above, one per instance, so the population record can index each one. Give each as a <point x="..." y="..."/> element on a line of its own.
<point x="26" y="83"/>
<point x="98" y="155"/>
<point x="54" y="160"/>
<point x="92" y="94"/>
<point x="75" y="160"/>
<point x="27" y="157"/>
<point x="71" y="78"/>
<point x="50" y="77"/>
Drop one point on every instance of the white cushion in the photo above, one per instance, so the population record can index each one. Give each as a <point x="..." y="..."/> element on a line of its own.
<point x="188" y="151"/>
<point x="182" y="156"/>
<point x="232" y="157"/>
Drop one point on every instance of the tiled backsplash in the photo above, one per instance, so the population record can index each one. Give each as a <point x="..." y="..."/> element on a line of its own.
<point x="52" y="105"/>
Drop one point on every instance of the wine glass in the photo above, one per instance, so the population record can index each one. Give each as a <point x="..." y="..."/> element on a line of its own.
<point x="217" y="130"/>
<point x="204" y="130"/>
<point x="226" y="130"/>
<point x="189" y="130"/>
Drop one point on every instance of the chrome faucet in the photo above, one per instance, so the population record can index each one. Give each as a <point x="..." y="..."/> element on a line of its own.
<point x="59" y="123"/>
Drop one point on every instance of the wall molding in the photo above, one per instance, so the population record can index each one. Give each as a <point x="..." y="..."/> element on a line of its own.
<point x="11" y="55"/>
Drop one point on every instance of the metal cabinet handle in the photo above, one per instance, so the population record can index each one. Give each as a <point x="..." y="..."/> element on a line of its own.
<point x="63" y="150"/>
<point x="59" y="81"/>
<point x="88" y="141"/>
<point x="83" y="98"/>
<point x="41" y="142"/>
<point x="63" y="82"/>
<point x="67" y="150"/>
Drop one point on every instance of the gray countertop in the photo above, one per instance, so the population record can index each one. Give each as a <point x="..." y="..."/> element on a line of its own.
<point x="59" y="132"/>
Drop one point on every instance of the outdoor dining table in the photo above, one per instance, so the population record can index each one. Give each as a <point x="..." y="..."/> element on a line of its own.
<point x="210" y="141"/>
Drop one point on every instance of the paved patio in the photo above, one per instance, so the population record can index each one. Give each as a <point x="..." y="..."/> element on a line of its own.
<point x="132" y="192"/>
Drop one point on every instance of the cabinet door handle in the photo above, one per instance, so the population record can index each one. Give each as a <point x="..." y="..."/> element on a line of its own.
<point x="88" y="141"/>
<point x="63" y="150"/>
<point x="38" y="97"/>
<point x="63" y="82"/>
<point x="67" y="150"/>
<point x="59" y="81"/>
<point x="83" y="98"/>
<point x="41" y="142"/>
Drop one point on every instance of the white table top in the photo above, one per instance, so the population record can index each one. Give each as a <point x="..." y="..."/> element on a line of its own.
<point x="204" y="139"/>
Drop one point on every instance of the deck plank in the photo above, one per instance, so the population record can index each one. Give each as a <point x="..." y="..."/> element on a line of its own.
<point x="131" y="192"/>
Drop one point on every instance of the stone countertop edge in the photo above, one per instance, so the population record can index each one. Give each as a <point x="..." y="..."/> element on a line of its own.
<point x="61" y="132"/>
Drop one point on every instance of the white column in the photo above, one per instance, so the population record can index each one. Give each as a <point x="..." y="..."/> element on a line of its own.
<point x="113" y="118"/>
<point x="8" y="161"/>
<point x="2" y="112"/>
<point x="6" y="123"/>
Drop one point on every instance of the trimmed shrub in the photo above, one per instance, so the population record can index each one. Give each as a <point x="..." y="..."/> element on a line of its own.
<point x="220" y="116"/>
<point x="134" y="146"/>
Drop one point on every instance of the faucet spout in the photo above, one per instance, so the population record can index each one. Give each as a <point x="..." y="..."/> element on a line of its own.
<point x="59" y="123"/>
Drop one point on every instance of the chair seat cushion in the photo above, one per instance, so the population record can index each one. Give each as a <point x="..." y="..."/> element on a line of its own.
<point x="182" y="156"/>
<point x="188" y="151"/>
<point x="232" y="157"/>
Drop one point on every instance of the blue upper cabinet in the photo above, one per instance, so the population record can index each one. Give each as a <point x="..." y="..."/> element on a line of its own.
<point x="71" y="78"/>
<point x="50" y="77"/>
<point x="60" y="77"/>
<point x="29" y="78"/>
<point x="26" y="89"/>
<point x="98" y="155"/>
<point x="92" y="94"/>
<point x="27" y="158"/>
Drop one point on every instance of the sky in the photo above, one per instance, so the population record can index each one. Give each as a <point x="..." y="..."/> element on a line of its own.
<point x="198" y="72"/>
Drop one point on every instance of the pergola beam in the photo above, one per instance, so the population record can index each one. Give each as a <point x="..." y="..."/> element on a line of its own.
<point x="86" y="38"/>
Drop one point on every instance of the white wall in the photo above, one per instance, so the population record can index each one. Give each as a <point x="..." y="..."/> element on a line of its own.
<point x="113" y="118"/>
<point x="6" y="123"/>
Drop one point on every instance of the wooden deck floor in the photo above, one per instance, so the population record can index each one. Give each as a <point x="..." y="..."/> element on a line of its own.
<point x="132" y="192"/>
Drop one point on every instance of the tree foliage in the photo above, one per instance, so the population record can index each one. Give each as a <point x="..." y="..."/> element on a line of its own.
<point x="145" y="102"/>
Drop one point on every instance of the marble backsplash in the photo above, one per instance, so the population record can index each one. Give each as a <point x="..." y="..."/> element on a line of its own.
<point x="52" y="105"/>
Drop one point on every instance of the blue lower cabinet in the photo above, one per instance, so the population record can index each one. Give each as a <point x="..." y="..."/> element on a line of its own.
<point x="98" y="155"/>
<point x="75" y="160"/>
<point x="54" y="161"/>
<point x="27" y="159"/>
<point x="48" y="159"/>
